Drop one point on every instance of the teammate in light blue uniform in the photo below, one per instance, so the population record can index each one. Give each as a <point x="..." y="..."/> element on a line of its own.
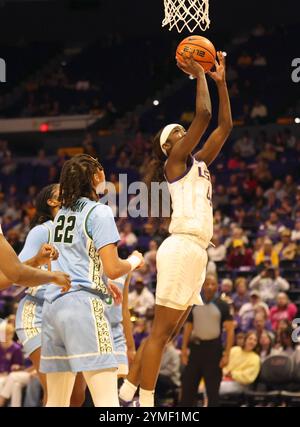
<point x="76" y="334"/>
<point x="29" y="313"/>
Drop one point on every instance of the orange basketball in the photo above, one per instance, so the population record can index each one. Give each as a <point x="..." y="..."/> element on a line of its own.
<point x="201" y="49"/>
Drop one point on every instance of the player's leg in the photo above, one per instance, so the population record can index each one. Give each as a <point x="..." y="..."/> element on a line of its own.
<point x="60" y="386"/>
<point x="166" y="320"/>
<point x="78" y="393"/>
<point x="131" y="383"/>
<point x="35" y="358"/>
<point x="103" y="386"/>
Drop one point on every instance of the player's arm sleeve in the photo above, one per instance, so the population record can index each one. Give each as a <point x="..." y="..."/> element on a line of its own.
<point x="101" y="227"/>
<point x="38" y="236"/>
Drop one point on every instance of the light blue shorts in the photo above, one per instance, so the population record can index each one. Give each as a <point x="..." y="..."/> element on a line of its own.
<point x="76" y="335"/>
<point x="29" y="323"/>
<point x="120" y="348"/>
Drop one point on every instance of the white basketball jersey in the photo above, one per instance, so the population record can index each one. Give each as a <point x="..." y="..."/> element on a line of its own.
<point x="191" y="196"/>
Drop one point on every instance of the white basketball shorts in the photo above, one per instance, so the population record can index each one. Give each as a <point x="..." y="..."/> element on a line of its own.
<point x="181" y="271"/>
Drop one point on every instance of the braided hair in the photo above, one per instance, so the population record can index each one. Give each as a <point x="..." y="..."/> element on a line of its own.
<point x="76" y="180"/>
<point x="43" y="210"/>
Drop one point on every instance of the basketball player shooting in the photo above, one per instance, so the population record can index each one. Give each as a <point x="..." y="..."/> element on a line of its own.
<point x="182" y="257"/>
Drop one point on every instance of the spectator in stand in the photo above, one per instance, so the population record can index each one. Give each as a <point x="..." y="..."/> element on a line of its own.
<point x="268" y="153"/>
<point x="11" y="357"/>
<point x="263" y="174"/>
<point x="267" y="254"/>
<point x="286" y="249"/>
<point x="42" y="159"/>
<point x="260" y="60"/>
<point x="261" y="324"/>
<point x="280" y="193"/>
<point x="240" y="339"/>
<point x="287" y="345"/>
<point x="226" y="290"/>
<point x="266" y="343"/>
<point x="244" y="146"/>
<point x="127" y="236"/>
<point x="282" y="325"/>
<point x="239" y="256"/>
<point x="258" y="31"/>
<point x="220" y="197"/>
<point x="241" y="295"/>
<point x="220" y="220"/>
<point x="295" y="237"/>
<point x="283" y="309"/>
<point x="140" y="299"/>
<point x="259" y="112"/>
<point x="272" y="204"/>
<point x="289" y="186"/>
<point x="123" y="161"/>
<point x="244" y="60"/>
<point x="269" y="283"/>
<point x="237" y="233"/>
<point x="243" y="367"/>
<point x="217" y="252"/>
<point x="150" y="258"/>
<point x="248" y="310"/>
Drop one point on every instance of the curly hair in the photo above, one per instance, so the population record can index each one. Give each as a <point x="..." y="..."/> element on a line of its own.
<point x="43" y="210"/>
<point x="76" y="180"/>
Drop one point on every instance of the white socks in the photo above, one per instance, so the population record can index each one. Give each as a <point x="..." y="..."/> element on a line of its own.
<point x="146" y="398"/>
<point x="127" y="391"/>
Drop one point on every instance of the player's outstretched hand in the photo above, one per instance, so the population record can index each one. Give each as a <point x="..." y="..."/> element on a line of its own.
<point x="219" y="74"/>
<point x="189" y="66"/>
<point x="62" y="279"/>
<point x="115" y="292"/>
<point x="46" y="253"/>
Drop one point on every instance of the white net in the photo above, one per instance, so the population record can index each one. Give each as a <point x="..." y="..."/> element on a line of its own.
<point x="186" y="13"/>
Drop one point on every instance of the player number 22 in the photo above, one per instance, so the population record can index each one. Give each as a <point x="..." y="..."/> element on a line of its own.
<point x="63" y="233"/>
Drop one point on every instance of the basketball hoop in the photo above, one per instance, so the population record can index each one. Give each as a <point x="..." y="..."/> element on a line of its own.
<point x="186" y="13"/>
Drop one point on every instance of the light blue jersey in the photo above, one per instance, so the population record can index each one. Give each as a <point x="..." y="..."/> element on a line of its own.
<point x="29" y="313"/>
<point x="36" y="237"/>
<point x="78" y="235"/>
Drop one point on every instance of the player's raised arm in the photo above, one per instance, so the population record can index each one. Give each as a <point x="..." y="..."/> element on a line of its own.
<point x="202" y="114"/>
<point x="218" y="137"/>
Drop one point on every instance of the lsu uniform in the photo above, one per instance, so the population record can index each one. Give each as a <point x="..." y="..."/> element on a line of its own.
<point x="29" y="313"/>
<point x="76" y="334"/>
<point x="182" y="257"/>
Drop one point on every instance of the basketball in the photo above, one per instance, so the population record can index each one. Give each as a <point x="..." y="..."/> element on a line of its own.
<point x="200" y="48"/>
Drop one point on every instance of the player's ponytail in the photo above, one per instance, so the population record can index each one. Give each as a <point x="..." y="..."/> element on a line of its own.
<point x="155" y="170"/>
<point x="76" y="180"/>
<point x="157" y="165"/>
<point x="43" y="210"/>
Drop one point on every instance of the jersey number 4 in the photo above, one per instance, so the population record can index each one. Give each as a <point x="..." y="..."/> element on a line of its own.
<point x="64" y="229"/>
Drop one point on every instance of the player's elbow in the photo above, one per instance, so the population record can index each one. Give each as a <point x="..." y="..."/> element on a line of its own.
<point x="113" y="275"/>
<point x="227" y="127"/>
<point x="111" y="271"/>
<point x="204" y="114"/>
<point x="15" y="276"/>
